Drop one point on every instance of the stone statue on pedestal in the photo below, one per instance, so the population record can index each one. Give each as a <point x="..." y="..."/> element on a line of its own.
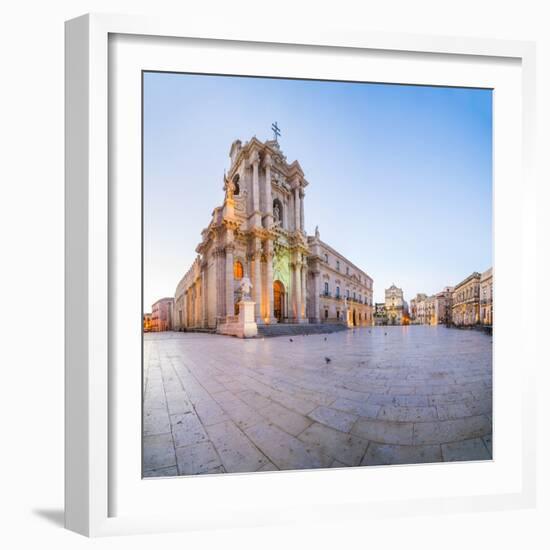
<point x="229" y="188"/>
<point x="244" y="289"/>
<point x="276" y="213"/>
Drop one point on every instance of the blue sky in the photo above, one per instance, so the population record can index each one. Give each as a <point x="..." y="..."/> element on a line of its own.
<point x="400" y="176"/>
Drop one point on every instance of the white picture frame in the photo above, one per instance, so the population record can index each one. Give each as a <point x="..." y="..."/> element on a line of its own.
<point x="93" y="393"/>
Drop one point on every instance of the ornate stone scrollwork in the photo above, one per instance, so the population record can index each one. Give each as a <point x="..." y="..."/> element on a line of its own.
<point x="221" y="252"/>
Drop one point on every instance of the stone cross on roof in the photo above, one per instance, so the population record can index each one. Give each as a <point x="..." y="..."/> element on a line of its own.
<point x="276" y="131"/>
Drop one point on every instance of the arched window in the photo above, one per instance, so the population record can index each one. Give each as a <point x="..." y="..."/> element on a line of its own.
<point x="238" y="271"/>
<point x="338" y="292"/>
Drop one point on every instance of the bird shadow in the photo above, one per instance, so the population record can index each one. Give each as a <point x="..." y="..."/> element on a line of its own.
<point x="54" y="516"/>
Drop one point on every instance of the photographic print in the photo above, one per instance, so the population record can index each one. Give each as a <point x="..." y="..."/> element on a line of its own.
<point x="317" y="274"/>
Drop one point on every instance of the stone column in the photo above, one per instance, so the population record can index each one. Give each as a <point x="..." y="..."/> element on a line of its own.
<point x="204" y="312"/>
<point x="184" y="307"/>
<point x="316" y="295"/>
<point x="290" y="212"/>
<point x="198" y="317"/>
<point x="220" y="282"/>
<point x="302" y="221"/>
<point x="293" y="292"/>
<point x="195" y="300"/>
<point x="267" y="190"/>
<point x="255" y="161"/>
<point x="297" y="208"/>
<point x="258" y="280"/>
<point x="229" y="299"/>
<point x="304" y="291"/>
<point x="269" y="282"/>
<point x="298" y="290"/>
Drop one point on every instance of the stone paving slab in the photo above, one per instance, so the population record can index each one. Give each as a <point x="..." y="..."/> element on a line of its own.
<point x="254" y="399"/>
<point x="289" y="421"/>
<point x="381" y="454"/>
<point x="336" y="419"/>
<point x="407" y="414"/>
<point x="156" y="421"/>
<point x="244" y="415"/>
<point x="286" y="451"/>
<point x="178" y="402"/>
<point x="171" y="471"/>
<point x="201" y="458"/>
<point x="384" y="431"/>
<point x="158" y="452"/>
<point x="469" y="449"/>
<point x="209" y="411"/>
<point x="448" y="431"/>
<point x="268" y="467"/>
<point x="236" y="451"/>
<point x="187" y="429"/>
<point x="345" y="448"/>
<point x="390" y="395"/>
<point x="357" y="408"/>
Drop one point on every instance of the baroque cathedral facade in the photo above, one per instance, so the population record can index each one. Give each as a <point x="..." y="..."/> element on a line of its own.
<point x="259" y="232"/>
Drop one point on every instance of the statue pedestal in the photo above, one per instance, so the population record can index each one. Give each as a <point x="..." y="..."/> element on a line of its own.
<point x="349" y="319"/>
<point x="242" y="325"/>
<point x="247" y="324"/>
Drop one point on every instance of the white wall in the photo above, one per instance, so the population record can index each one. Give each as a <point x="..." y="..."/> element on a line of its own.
<point x="31" y="218"/>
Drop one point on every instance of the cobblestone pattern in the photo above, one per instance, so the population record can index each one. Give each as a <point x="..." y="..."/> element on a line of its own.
<point x="388" y="395"/>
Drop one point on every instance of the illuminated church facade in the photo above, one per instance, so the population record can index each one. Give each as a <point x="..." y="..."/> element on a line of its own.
<point x="259" y="232"/>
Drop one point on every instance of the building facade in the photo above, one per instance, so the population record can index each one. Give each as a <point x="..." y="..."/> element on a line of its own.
<point x="380" y="317"/>
<point x="161" y="315"/>
<point x="147" y="322"/>
<point x="444" y="306"/>
<point x="427" y="311"/>
<point x="432" y="310"/>
<point x="259" y="233"/>
<point x="486" y="297"/>
<point x="346" y="291"/>
<point x="415" y="302"/>
<point x="394" y="305"/>
<point x="465" y="307"/>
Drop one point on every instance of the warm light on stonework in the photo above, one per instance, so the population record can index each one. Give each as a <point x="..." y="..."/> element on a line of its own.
<point x="238" y="271"/>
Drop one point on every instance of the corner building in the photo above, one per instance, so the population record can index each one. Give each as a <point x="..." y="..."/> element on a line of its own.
<point x="465" y="308"/>
<point x="258" y="232"/>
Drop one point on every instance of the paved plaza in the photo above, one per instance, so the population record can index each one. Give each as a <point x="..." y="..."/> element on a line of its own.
<point x="369" y="396"/>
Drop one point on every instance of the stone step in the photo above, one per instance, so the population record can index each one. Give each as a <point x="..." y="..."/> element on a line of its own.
<point x="287" y="329"/>
<point x="200" y="329"/>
